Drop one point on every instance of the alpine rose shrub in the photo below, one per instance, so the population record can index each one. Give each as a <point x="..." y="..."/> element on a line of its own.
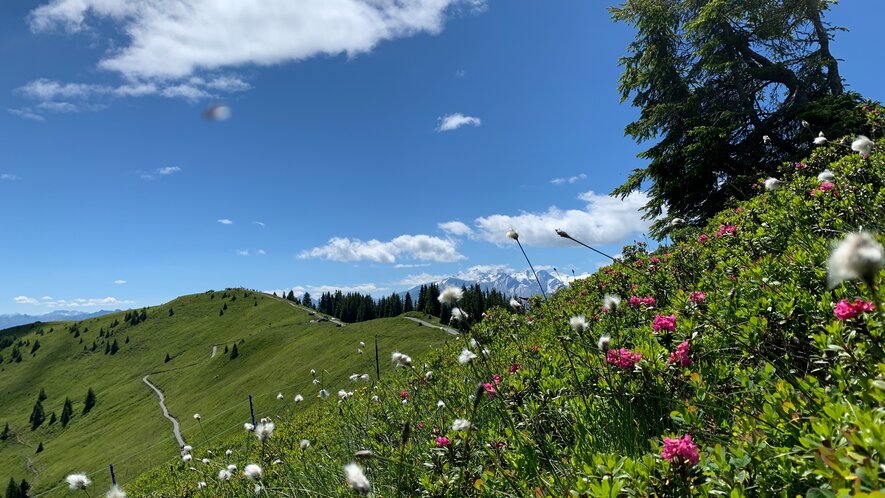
<point x="680" y="451"/>
<point x="846" y="310"/>
<point x="623" y="357"/>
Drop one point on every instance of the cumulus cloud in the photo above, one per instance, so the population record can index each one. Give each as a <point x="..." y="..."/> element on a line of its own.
<point x="119" y="282"/>
<point x="420" y="247"/>
<point x="569" y="180"/>
<point x="73" y="303"/>
<point x="9" y="177"/>
<point x="225" y="221"/>
<point x="604" y="220"/>
<point x="456" y="228"/>
<point x="170" y="40"/>
<point x="168" y="170"/>
<point x="454" y="121"/>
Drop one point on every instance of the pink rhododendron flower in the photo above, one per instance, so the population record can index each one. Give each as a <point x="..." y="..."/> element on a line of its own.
<point x="442" y="441"/>
<point x="623" y="357"/>
<point x="846" y="310"/>
<point x="490" y="389"/>
<point x="404" y="394"/>
<point x="649" y="301"/>
<point x="665" y="323"/>
<point x="496" y="379"/>
<point x="703" y="238"/>
<point x="726" y="230"/>
<point x="697" y="297"/>
<point x="680" y="356"/>
<point x="801" y="166"/>
<point x="515" y="367"/>
<point x="655" y="260"/>
<point x="635" y="301"/>
<point x="680" y="450"/>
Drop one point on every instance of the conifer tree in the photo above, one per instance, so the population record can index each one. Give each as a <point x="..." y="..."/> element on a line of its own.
<point x="234" y="353"/>
<point x="115" y="347"/>
<point x="42" y="396"/>
<point x="407" y="305"/>
<point x="89" y="402"/>
<point x="67" y="412"/>
<point x="39" y="449"/>
<point x="37" y="416"/>
<point x="13" y="490"/>
<point x="5" y="434"/>
<point x="167" y="359"/>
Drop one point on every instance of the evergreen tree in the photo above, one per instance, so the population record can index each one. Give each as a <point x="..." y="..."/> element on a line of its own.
<point x="42" y="396"/>
<point x="35" y="347"/>
<point x="407" y="306"/>
<point x="171" y="312"/>
<point x="107" y="348"/>
<point x="52" y="418"/>
<point x="5" y="434"/>
<point x="37" y="416"/>
<point x="167" y="359"/>
<point x="39" y="448"/>
<point x="24" y="489"/>
<point x="13" y="490"/>
<point x="127" y="340"/>
<point x="226" y="349"/>
<point x="306" y="300"/>
<point x="290" y="296"/>
<point x="234" y="353"/>
<point x="115" y="347"/>
<point x="67" y="412"/>
<point x="422" y="299"/>
<point x="89" y="402"/>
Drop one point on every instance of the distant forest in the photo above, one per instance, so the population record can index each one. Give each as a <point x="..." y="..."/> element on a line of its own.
<point x="354" y="307"/>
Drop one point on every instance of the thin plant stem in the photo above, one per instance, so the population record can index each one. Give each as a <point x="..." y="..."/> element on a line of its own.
<point x="532" y="268"/>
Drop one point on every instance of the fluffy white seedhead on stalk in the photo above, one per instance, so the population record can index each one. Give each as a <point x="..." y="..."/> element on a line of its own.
<point x="187" y="457"/>
<point x="604" y="343"/>
<point x="428" y="374"/>
<point x="232" y="468"/>
<point x="820" y="139"/>
<point x="206" y="461"/>
<point x="365" y="377"/>
<point x="857" y="257"/>
<point x="299" y="398"/>
<point x="459" y="314"/>
<point x="826" y="176"/>
<point x="280" y="396"/>
<point x="362" y="344"/>
<point x="197" y="417"/>
<point x="253" y="471"/>
<point x="264" y="431"/>
<point x="77" y="481"/>
<point x="313" y="373"/>
<point x="806" y="125"/>
<point x="440" y="404"/>
<point x="511" y="233"/>
<point x="862" y="145"/>
<point x="258" y="489"/>
<point x="187" y="448"/>
<point x="772" y="184"/>
<point x="224" y="475"/>
<point x="229" y="452"/>
<point x="355" y="478"/>
<point x="323" y="394"/>
<point x="249" y="427"/>
<point x="515" y="304"/>
<point x="451" y="295"/>
<point x="202" y="485"/>
<point x="460" y="424"/>
<point x="766" y="140"/>
<point x="579" y="324"/>
<point x="466" y="356"/>
<point x="611" y="301"/>
<point x="305" y="444"/>
<point x="115" y="492"/>
<point x="401" y="360"/>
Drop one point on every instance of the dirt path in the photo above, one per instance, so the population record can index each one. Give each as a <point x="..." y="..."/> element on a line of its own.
<point x="214" y="350"/>
<point x="176" y="429"/>
<point x="431" y="325"/>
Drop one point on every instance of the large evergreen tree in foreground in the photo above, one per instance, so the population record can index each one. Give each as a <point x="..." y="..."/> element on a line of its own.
<point x="712" y="81"/>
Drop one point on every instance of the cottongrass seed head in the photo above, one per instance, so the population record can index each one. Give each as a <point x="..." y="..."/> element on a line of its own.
<point x="466" y="356"/>
<point x="820" y="139"/>
<point x="772" y="184"/>
<point x="611" y="301"/>
<point x="249" y="427"/>
<point x="459" y="314"/>
<point x="460" y="424"/>
<point x="323" y="394"/>
<point x="826" y="176"/>
<point x="299" y="398"/>
<point x="511" y="233"/>
<point x="451" y="295"/>
<point x="356" y="479"/>
<point x="253" y="471"/>
<point x="401" y="360"/>
<point x="604" y="343"/>
<point x="197" y="417"/>
<point x="857" y="257"/>
<point x="515" y="304"/>
<point x="77" y="481"/>
<point x="224" y="475"/>
<point x="305" y="444"/>
<point x="264" y="431"/>
<point x="115" y="492"/>
<point x="578" y="324"/>
<point x="862" y="145"/>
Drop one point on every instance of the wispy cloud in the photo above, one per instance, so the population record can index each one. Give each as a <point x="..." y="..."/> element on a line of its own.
<point x="454" y="121"/>
<point x="419" y="247"/>
<point x="460" y="73"/>
<point x="259" y="223"/>
<point x="225" y="221"/>
<point x="72" y="303"/>
<point x="242" y="252"/>
<point x="569" y="180"/>
<point x="159" y="172"/>
<point x="119" y="282"/>
<point x="9" y="177"/>
<point x="456" y="228"/>
<point x="411" y="265"/>
<point x="261" y="252"/>
<point x="26" y="113"/>
<point x="420" y="278"/>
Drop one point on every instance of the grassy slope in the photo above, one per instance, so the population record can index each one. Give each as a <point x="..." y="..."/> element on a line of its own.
<point x="126" y="427"/>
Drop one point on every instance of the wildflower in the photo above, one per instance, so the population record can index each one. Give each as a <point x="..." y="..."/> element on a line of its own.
<point x="278" y="462"/>
<point x="635" y="301"/>
<point x="401" y="360"/>
<point x="202" y="485"/>
<point x="115" y="492"/>
<point x="862" y="145"/>
<point x="355" y="478"/>
<point x="826" y="176"/>
<point x="820" y="139"/>
<point x="440" y="404"/>
<point x="253" y="471"/>
<point x="375" y="399"/>
<point x="604" y="343"/>
<point x="806" y="124"/>
<point x="801" y="166"/>
<point x="511" y="233"/>
<point x="206" y="461"/>
<point x="489" y="389"/>
<point x="77" y="481"/>
<point x="649" y="301"/>
<point x="313" y="373"/>
<point x="359" y="350"/>
<point x="460" y="424"/>
<point x="403" y="394"/>
<point x="299" y="398"/>
<point x="623" y="357"/>
<point x="323" y="394"/>
<point x="442" y="441"/>
<point x="766" y="140"/>
<point x="342" y="394"/>
<point x="197" y="417"/>
<point x="280" y="396"/>
<point x="772" y="184"/>
<point x="258" y="489"/>
<point x="702" y="238"/>
<point x="231" y="468"/>
<point x="466" y="356"/>
<point x="428" y="375"/>
<point x="365" y="377"/>
<point x="316" y="382"/>
<point x="362" y="344"/>
<point x="680" y="356"/>
<point x="726" y="230"/>
<point x="697" y="297"/>
<point x="514" y="367"/>
<point x="515" y="304"/>
<point x="249" y="427"/>
<point x="578" y="324"/>
<point x="264" y="431"/>
<point x="451" y="295"/>
<point x="665" y="323"/>
<point x="224" y="475"/>
<point x="187" y="457"/>
<point x="187" y="448"/>
<point x="846" y="310"/>
<point x="355" y="377"/>
<point x="680" y="450"/>
<point x="305" y="444"/>
<point x="611" y="301"/>
<point x="857" y="257"/>
<point x="459" y="314"/>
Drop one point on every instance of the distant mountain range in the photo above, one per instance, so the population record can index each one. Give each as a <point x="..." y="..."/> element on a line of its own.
<point x="14" y="320"/>
<point x="521" y="284"/>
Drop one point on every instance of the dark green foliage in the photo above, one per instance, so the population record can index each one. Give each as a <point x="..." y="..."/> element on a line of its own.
<point x="171" y="312"/>
<point x="42" y="396"/>
<point x="306" y="300"/>
<point x="5" y="434"/>
<point x="407" y="305"/>
<point x="13" y="490"/>
<point x="290" y="296"/>
<point x="39" y="447"/>
<point x="107" y="348"/>
<point x="24" y="488"/>
<point x="67" y="412"/>
<point x="16" y="354"/>
<point x="127" y="340"/>
<point x="37" y="416"/>
<point x="224" y="307"/>
<point x="221" y="312"/>
<point x="115" y="347"/>
<point x="710" y="80"/>
<point x="234" y="352"/>
<point x="225" y="349"/>
<point x="167" y="359"/>
<point x="35" y="347"/>
<point x="52" y="418"/>
<point x="89" y="402"/>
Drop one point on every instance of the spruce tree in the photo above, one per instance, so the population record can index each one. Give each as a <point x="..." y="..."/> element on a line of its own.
<point x="24" y="489"/>
<point x="39" y="447"/>
<point x="5" y="434"/>
<point x="67" y="412"/>
<point x="89" y="402"/>
<point x="167" y="359"/>
<point x="115" y="347"/>
<point x="407" y="305"/>
<point x="37" y="416"/>
<point x="233" y="352"/>
<point x="52" y="418"/>
<point x="42" y="396"/>
<point x="13" y="490"/>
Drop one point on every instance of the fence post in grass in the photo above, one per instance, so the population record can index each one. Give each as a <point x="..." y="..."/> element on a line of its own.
<point x="251" y="410"/>
<point x="377" y="365"/>
<point x="113" y="477"/>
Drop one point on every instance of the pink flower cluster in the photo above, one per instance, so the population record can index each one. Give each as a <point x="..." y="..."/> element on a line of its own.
<point x="623" y="357"/>
<point x="824" y="187"/>
<point x="442" y="441"/>
<point x="703" y="238"/>
<point x="697" y="297"/>
<point x="846" y="310"/>
<point x="680" y="356"/>
<point x="490" y="386"/>
<point x="404" y="394"/>
<point x="680" y="450"/>
<point x="637" y="301"/>
<point x="726" y="230"/>
<point x="515" y="368"/>
<point x="665" y="323"/>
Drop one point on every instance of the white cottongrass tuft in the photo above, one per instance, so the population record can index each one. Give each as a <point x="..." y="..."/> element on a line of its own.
<point x="249" y="427"/>
<point x="826" y="176"/>
<point x="806" y="124"/>
<point x="611" y="301"/>
<point x="313" y="373"/>
<point x="299" y="398"/>
<point x="206" y="461"/>
<point x="365" y="377"/>
<point x="232" y="468"/>
<point x="277" y="462"/>
<point x="362" y="344"/>
<point x="229" y="452"/>
<point x="766" y="140"/>
<point x="253" y="471"/>
<point x="440" y="404"/>
<point x="187" y="457"/>
<point x="578" y="323"/>
<point x="820" y="139"/>
<point x="451" y="295"/>
<point x="77" y="481"/>
<point x="460" y="424"/>
<point x="342" y="394"/>
<point x="375" y="399"/>
<point x="515" y="304"/>
<point x="512" y="234"/>
<point x="115" y="492"/>
<point x="676" y="222"/>
<point x="202" y="485"/>
<point x="428" y="374"/>
<point x="466" y="356"/>
<point x="862" y="145"/>
<point x="224" y="475"/>
<point x="354" y="377"/>
<point x="316" y="382"/>
<point x="604" y="343"/>
<point x="857" y="257"/>
<point x="772" y="184"/>
<point x="305" y="444"/>
<point x="264" y="431"/>
<point x="355" y="478"/>
<point x="187" y="448"/>
<point x="323" y="394"/>
<point x="401" y="360"/>
<point x="197" y="417"/>
<point x="280" y="396"/>
<point x="459" y="314"/>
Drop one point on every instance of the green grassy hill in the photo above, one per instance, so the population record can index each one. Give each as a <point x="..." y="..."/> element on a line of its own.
<point x="277" y="342"/>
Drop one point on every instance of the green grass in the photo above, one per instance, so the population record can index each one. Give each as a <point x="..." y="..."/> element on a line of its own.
<point x="278" y="346"/>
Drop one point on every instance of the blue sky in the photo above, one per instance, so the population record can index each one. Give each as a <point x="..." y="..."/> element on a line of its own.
<point x="368" y="148"/>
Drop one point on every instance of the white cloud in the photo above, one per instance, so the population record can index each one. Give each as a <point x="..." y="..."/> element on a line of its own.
<point x="420" y="247"/>
<point x="58" y="107"/>
<point x="261" y="252"/>
<point x="259" y="223"/>
<point x="421" y="278"/>
<point x="604" y="220"/>
<point x="411" y="265"/>
<point x="73" y="303"/>
<point x="26" y="113"/>
<point x="456" y="228"/>
<point x="225" y="221"/>
<point x="46" y="297"/>
<point x="454" y="121"/>
<point x="316" y="290"/>
<point x="175" y="39"/>
<point x="119" y="282"/>
<point x="243" y="252"/>
<point x="185" y="91"/>
<point x="9" y="177"/>
<point x="168" y="170"/>
<point x="460" y="73"/>
<point x="569" y="180"/>
<point x="45" y="89"/>
<point x="477" y="271"/>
